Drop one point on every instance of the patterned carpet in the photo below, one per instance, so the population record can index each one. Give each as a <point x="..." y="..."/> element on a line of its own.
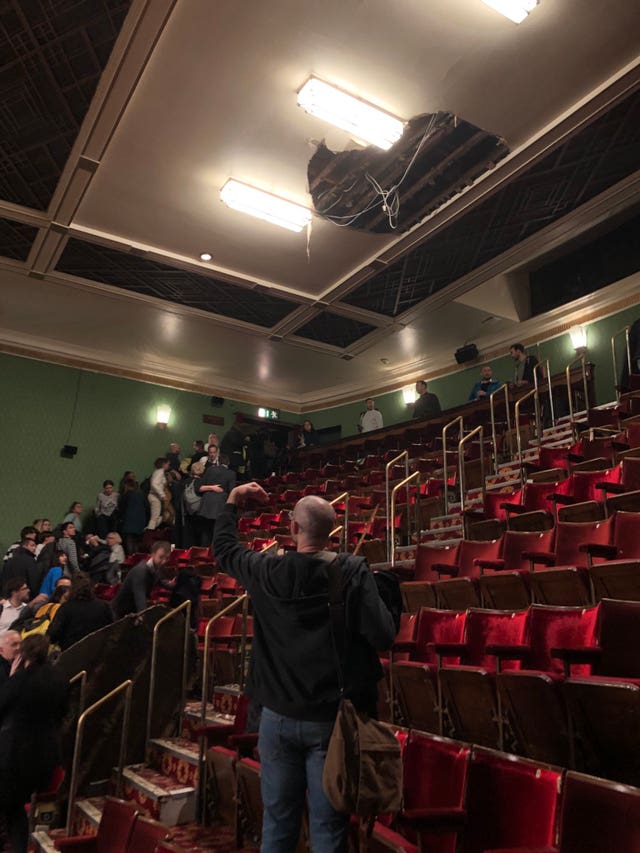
<point x="198" y="839"/>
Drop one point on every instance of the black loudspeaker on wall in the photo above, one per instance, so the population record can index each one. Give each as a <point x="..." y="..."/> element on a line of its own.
<point x="68" y="451"/>
<point x="466" y="353"/>
<point x="217" y="401"/>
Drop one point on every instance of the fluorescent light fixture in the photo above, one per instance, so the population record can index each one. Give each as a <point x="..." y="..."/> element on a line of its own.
<point x="361" y="119"/>
<point x="409" y="395"/>
<point x="163" y="413"/>
<point x="264" y="205"/>
<point x="578" y="336"/>
<point x="515" y="10"/>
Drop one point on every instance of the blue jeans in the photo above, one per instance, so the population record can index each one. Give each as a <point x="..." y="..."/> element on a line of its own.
<point x="292" y="754"/>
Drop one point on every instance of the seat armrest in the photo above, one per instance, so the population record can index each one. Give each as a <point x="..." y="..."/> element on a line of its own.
<point x="504" y="652"/>
<point x="450" y="649"/>
<point x="543" y="558"/>
<point x="496" y="565"/>
<point x="609" y="552"/>
<point x="565" y="500"/>
<point x="575" y="457"/>
<point x="514" y="508"/>
<point x="244" y="742"/>
<point x="444" y="569"/>
<point x="614" y="488"/>
<point x="404" y="646"/>
<point x="450" y="819"/>
<point x="78" y="843"/>
<point x="584" y="654"/>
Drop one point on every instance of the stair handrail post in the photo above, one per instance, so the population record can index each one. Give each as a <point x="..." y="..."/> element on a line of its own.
<point x="201" y="805"/>
<point x="445" y="429"/>
<point x="82" y="678"/>
<point x="186" y="607"/>
<point x="478" y="430"/>
<point x="345" y="497"/>
<point x="580" y="359"/>
<point x="532" y="393"/>
<point x="503" y="389"/>
<point x="615" y="335"/>
<point x="536" y="367"/>
<point x="387" y="468"/>
<point x="126" y="687"/>
<point x="409" y="479"/>
<point x="243" y="641"/>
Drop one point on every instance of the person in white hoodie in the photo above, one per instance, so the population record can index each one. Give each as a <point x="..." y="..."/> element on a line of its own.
<point x="371" y="418"/>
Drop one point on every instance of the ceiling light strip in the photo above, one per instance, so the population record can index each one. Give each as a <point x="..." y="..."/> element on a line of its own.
<point x="515" y="10"/>
<point x="265" y="205"/>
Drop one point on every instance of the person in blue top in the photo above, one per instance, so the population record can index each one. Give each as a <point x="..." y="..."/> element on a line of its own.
<point x="51" y="579"/>
<point x="485" y="386"/>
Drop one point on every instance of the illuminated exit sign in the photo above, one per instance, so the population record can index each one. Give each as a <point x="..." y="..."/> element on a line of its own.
<point x="269" y="414"/>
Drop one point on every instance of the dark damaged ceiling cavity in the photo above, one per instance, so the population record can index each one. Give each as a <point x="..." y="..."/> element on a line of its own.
<point x="438" y="155"/>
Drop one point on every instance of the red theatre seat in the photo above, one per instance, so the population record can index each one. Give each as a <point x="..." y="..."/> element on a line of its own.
<point x="114" y="831"/>
<point x="146" y="835"/>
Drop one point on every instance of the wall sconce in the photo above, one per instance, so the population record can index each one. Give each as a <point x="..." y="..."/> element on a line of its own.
<point x="578" y="336"/>
<point x="409" y="395"/>
<point x="163" y="413"/>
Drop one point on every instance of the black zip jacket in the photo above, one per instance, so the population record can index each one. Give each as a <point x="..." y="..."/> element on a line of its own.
<point x="293" y="668"/>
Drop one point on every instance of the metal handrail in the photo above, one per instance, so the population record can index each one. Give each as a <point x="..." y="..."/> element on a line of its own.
<point x="345" y="497"/>
<point x="547" y="368"/>
<point x="567" y="372"/>
<point x="127" y="687"/>
<point x="615" y="335"/>
<point x="82" y="678"/>
<point x="532" y="393"/>
<point x="405" y="482"/>
<point x="203" y="711"/>
<point x="387" y="468"/>
<point x="186" y="606"/>
<point x="503" y="389"/>
<point x="445" y="428"/>
<point x="461" y="443"/>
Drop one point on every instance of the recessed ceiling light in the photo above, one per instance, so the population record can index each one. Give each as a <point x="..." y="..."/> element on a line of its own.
<point x="350" y="113"/>
<point x="515" y="10"/>
<point x="205" y="256"/>
<point x="265" y="205"/>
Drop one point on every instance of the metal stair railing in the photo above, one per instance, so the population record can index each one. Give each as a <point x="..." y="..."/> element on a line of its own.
<point x="345" y="533"/>
<point x="126" y="688"/>
<point x="186" y="607"/>
<point x="532" y="393"/>
<point x="539" y="366"/>
<point x="445" y="429"/>
<point x="616" y="378"/>
<point x="567" y="372"/>
<point x="412" y="477"/>
<point x="478" y="430"/>
<point x="503" y="389"/>
<point x="387" y="469"/>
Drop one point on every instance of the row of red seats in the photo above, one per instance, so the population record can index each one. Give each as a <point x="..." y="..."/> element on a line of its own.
<point x="474" y="800"/>
<point x="472" y="673"/>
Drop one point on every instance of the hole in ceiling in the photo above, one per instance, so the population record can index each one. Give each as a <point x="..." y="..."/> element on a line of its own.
<point x="437" y="156"/>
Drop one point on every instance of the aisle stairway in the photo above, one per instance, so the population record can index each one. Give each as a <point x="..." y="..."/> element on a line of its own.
<point x="165" y="788"/>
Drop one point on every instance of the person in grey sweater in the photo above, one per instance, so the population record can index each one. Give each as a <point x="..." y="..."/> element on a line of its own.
<point x="105" y="509"/>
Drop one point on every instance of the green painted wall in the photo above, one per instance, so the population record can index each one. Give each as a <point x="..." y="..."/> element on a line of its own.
<point x="114" y="430"/>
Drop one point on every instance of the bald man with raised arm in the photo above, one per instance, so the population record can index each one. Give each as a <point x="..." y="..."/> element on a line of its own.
<point x="293" y="672"/>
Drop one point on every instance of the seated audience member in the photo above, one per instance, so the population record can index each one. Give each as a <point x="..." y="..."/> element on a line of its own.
<point x="44" y="538"/>
<point x="80" y="615"/>
<point x="427" y="405"/>
<point x="213" y="439"/>
<point x="28" y="532"/>
<point x="213" y="457"/>
<point x="524" y="366"/>
<point x="52" y="578"/>
<point x="74" y="515"/>
<point x="15" y="604"/>
<point x="106" y="509"/>
<point x="9" y="651"/>
<point x="96" y="561"/>
<point x="308" y="437"/>
<point x="116" y="556"/>
<point x="485" y="386"/>
<point x="198" y="452"/>
<point x="136" y="588"/>
<point x="51" y="607"/>
<point x="23" y="564"/>
<point x="67" y="543"/>
<point x="33" y="704"/>
<point x="371" y="418"/>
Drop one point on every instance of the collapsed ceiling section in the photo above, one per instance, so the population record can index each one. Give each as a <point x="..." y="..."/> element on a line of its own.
<point x="437" y="156"/>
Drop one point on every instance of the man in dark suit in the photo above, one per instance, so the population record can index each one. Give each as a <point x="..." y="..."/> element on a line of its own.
<point x="427" y="405"/>
<point x="214" y="487"/>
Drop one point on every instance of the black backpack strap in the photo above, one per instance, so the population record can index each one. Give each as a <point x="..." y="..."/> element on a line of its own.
<point x="336" y="615"/>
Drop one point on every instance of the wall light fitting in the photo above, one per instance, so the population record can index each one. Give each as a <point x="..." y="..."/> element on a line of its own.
<point x="578" y="336"/>
<point x="409" y="395"/>
<point x="163" y="413"/>
<point x="515" y="10"/>
<point x="265" y="205"/>
<point x="356" y="116"/>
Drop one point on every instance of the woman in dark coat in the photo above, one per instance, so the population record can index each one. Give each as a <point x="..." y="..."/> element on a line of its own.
<point x="33" y="703"/>
<point x="80" y="615"/>
<point x="133" y="514"/>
